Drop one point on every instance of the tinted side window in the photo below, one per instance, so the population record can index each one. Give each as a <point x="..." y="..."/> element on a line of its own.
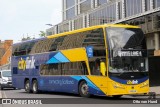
<point x="30" y="46"/>
<point x="56" y="43"/>
<point x="41" y="46"/>
<point x="50" y="69"/>
<point x="71" y="68"/>
<point x="74" y="68"/>
<point x="15" y="50"/>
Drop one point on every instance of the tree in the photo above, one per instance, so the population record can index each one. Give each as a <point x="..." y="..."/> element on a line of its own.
<point x="27" y="38"/>
<point x="42" y="34"/>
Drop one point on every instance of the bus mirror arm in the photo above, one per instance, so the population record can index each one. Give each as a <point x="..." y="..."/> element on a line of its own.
<point x="103" y="68"/>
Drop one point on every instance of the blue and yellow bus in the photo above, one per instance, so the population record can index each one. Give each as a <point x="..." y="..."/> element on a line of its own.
<point x="105" y="60"/>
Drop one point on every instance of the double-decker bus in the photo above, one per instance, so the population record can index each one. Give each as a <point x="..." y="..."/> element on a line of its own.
<point x="105" y="60"/>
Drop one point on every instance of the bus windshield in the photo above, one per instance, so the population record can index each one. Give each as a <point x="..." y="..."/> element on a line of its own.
<point x="127" y="50"/>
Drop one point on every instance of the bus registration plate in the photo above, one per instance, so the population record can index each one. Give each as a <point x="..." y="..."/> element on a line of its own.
<point x="133" y="91"/>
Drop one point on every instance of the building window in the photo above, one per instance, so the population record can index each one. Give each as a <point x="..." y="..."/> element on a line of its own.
<point x="120" y="10"/>
<point x="100" y="2"/>
<point x="147" y="5"/>
<point x="85" y="6"/>
<point x="156" y="3"/>
<point x="70" y="3"/>
<point x="105" y="15"/>
<point x="133" y="7"/>
<point x="70" y="13"/>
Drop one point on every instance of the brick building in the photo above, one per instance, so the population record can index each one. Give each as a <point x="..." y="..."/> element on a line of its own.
<point x="5" y="51"/>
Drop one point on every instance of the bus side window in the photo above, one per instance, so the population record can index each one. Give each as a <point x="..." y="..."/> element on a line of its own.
<point x="84" y="68"/>
<point x="95" y="67"/>
<point x="50" y="69"/>
<point x="74" y="68"/>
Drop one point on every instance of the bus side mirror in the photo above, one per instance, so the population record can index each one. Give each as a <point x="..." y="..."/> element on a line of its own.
<point x="103" y="68"/>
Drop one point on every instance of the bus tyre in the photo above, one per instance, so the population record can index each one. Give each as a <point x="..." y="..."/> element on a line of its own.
<point x="27" y="86"/>
<point x="35" y="86"/>
<point x="83" y="89"/>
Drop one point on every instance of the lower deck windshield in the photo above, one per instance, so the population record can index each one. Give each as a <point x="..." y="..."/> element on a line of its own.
<point x="127" y="51"/>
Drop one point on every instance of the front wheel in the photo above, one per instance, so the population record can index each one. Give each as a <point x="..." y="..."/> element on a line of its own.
<point x="27" y="86"/>
<point x="35" y="87"/>
<point x="83" y="89"/>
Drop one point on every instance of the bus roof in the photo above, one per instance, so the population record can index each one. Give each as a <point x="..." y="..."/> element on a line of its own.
<point x="80" y="30"/>
<point x="29" y="40"/>
<point x="92" y="27"/>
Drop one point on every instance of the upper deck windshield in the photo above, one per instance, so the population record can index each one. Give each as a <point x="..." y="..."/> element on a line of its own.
<point x="127" y="50"/>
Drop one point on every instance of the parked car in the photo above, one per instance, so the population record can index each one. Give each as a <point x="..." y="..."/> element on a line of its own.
<point x="5" y="79"/>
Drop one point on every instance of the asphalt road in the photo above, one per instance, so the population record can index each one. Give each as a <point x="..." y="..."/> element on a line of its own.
<point x="72" y="99"/>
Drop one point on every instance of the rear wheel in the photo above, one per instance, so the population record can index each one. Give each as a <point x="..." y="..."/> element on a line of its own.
<point x="27" y="86"/>
<point x="83" y="89"/>
<point x="35" y="86"/>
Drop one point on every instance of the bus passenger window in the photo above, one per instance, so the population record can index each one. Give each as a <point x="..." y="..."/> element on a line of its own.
<point x="75" y="68"/>
<point x="95" y="67"/>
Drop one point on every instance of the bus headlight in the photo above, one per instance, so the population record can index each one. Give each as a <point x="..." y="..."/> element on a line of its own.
<point x="3" y="81"/>
<point x="145" y="84"/>
<point x="116" y="85"/>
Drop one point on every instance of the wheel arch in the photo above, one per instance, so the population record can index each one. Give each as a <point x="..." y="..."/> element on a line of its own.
<point x="34" y="79"/>
<point x="25" y="80"/>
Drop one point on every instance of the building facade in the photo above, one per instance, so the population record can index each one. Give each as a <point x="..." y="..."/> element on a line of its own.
<point x="144" y="13"/>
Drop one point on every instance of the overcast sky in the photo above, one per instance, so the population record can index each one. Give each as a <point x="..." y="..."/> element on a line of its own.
<point x="20" y="18"/>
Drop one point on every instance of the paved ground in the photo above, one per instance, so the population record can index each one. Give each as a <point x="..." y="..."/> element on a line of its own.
<point x="63" y="98"/>
<point x="22" y="94"/>
<point x="18" y="94"/>
<point x="155" y="89"/>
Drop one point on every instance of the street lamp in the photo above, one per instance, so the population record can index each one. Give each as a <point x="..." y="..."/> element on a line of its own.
<point x="49" y="24"/>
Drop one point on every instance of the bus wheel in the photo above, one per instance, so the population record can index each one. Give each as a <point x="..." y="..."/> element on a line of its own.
<point x="117" y="96"/>
<point x="35" y="87"/>
<point x="27" y="86"/>
<point x="83" y="89"/>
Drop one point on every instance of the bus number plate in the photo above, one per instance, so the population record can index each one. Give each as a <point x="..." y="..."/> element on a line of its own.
<point x="133" y="91"/>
